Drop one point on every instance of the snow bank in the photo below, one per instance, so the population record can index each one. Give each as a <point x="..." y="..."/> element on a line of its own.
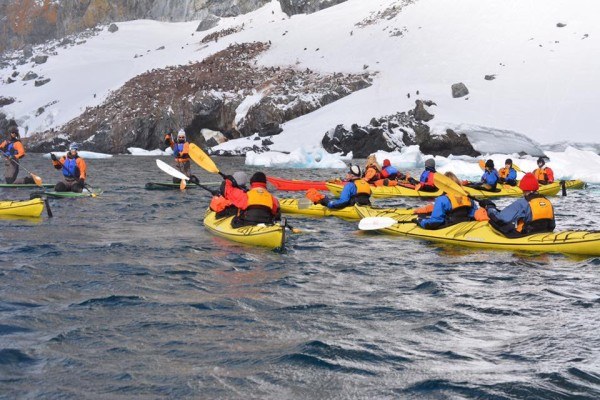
<point x="300" y="158"/>
<point x="136" y="151"/>
<point x="82" y="154"/>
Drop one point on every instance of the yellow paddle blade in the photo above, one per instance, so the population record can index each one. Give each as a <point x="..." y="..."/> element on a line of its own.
<point x="516" y="167"/>
<point x="36" y="179"/>
<point x="202" y="159"/>
<point x="448" y="185"/>
<point x="182" y="184"/>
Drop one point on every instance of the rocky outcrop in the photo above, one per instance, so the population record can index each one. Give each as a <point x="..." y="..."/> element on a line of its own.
<point x="394" y="132"/>
<point x="204" y="95"/>
<point x="459" y="90"/>
<point x="292" y="7"/>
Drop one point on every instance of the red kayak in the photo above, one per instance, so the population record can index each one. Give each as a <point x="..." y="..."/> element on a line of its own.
<point x="294" y="185"/>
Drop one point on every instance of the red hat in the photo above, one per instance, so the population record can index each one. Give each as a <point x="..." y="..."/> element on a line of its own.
<point x="386" y="163"/>
<point x="529" y="183"/>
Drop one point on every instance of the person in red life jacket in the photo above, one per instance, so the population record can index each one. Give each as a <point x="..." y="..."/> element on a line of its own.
<point x="489" y="179"/>
<point x="261" y="208"/>
<point x="356" y="191"/>
<point x="389" y="175"/>
<point x="449" y="209"/>
<point x="13" y="150"/>
<point x="508" y="174"/>
<point x="425" y="182"/>
<point x="532" y="213"/>
<point x="544" y="175"/>
<point x="181" y="152"/>
<point x="372" y="170"/>
<point x="231" y="196"/>
<point x="73" y="168"/>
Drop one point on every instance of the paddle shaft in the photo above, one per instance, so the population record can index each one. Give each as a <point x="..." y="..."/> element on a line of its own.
<point x="36" y="179"/>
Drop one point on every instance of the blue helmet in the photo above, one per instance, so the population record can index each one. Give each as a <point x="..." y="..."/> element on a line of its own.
<point x="73" y="146"/>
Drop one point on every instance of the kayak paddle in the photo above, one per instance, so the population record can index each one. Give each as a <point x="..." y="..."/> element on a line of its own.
<point x="173" y="172"/>
<point x="515" y="167"/>
<point x="203" y="160"/>
<point x="36" y="179"/>
<point x="374" y="223"/>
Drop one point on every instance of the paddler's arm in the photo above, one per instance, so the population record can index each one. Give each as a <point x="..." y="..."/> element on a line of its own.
<point x="347" y="193"/>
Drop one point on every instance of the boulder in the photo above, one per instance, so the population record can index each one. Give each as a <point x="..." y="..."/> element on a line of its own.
<point x="29" y="76"/>
<point x="40" y="59"/>
<point x="207" y="22"/>
<point x="41" y="82"/>
<point x="4" y="101"/>
<point x="292" y="7"/>
<point x="459" y="90"/>
<point x="112" y="28"/>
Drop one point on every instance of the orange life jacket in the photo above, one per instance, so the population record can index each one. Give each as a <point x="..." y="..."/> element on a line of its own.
<point x="260" y="197"/>
<point x="362" y="187"/>
<point x="544" y="175"/>
<point x="371" y="173"/>
<point x="542" y="215"/>
<point x="503" y="172"/>
<point x="461" y="206"/>
<point x="260" y="207"/>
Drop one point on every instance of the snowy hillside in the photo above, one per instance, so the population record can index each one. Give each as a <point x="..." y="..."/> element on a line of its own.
<point x="545" y="82"/>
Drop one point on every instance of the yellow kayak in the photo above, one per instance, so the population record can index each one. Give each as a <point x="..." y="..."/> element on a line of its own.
<point x="575" y="184"/>
<point x="271" y="236"/>
<point x="28" y="208"/>
<point x="481" y="234"/>
<point x="291" y="206"/>
<point x="401" y="191"/>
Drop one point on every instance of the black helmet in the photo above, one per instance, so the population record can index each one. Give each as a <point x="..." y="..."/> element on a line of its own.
<point x="489" y="163"/>
<point x="541" y="161"/>
<point x="508" y="161"/>
<point x="258" y="177"/>
<point x="13" y="129"/>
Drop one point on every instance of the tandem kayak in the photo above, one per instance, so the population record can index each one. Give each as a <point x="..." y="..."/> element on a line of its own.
<point x="28" y="208"/>
<point x="481" y="234"/>
<point x="270" y="236"/>
<point x="25" y="185"/>
<point x="172" y="186"/>
<point x="292" y="206"/>
<point x="401" y="191"/>
<point x="295" y="185"/>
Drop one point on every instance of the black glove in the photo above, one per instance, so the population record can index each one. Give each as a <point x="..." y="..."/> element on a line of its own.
<point x="324" y="201"/>
<point x="194" y="179"/>
<point x="386" y="182"/>
<point x="231" y="179"/>
<point x="168" y="140"/>
<point x="81" y="182"/>
<point x="485" y="203"/>
<point x="415" y="221"/>
<point x="53" y="157"/>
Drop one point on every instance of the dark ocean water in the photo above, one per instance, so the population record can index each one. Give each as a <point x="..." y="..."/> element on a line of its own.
<point x="127" y="296"/>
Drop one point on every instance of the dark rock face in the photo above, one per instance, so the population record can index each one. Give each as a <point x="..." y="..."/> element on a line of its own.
<point x="421" y="114"/>
<point x="208" y="22"/>
<point x="489" y="77"/>
<point x="4" y="101"/>
<point x="40" y="59"/>
<point x="30" y="75"/>
<point x="292" y="7"/>
<point x="204" y="95"/>
<point x="113" y="28"/>
<point x="41" y="82"/>
<point x="459" y="90"/>
<point x="393" y="132"/>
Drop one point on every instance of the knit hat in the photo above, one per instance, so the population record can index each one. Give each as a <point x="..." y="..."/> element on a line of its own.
<point x="386" y="163"/>
<point x="258" y="177"/>
<point x="74" y="146"/>
<point x="529" y="183"/>
<point x="541" y="161"/>
<point x="240" y="178"/>
<point x="508" y="161"/>
<point x="489" y="164"/>
<point x="430" y="162"/>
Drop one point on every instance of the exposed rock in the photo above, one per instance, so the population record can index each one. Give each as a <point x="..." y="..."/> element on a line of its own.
<point x="27" y="51"/>
<point x="208" y="22"/>
<point x="161" y="48"/>
<point x="42" y="82"/>
<point x="29" y="76"/>
<point x="561" y="25"/>
<point x="393" y="133"/>
<point x="292" y="7"/>
<point x="420" y="113"/>
<point x="4" y="101"/>
<point x="459" y="90"/>
<point x="112" y="28"/>
<point x="40" y="59"/>
<point x="40" y="111"/>
<point x="489" y="77"/>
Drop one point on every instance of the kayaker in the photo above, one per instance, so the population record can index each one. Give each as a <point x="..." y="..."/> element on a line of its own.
<point x="356" y="191"/>
<point x="181" y="152"/>
<point x="531" y="214"/>
<point x="543" y="174"/>
<point x="74" y="170"/>
<point x="508" y="174"/>
<point x="389" y="175"/>
<point x="231" y="196"/>
<point x="449" y="209"/>
<point x="372" y="169"/>
<point x="13" y="150"/>
<point x="425" y="182"/>
<point x="261" y="207"/>
<point x="489" y="179"/>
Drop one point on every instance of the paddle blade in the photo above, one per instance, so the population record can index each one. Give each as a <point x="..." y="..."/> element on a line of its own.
<point x="303" y="204"/>
<point x="170" y="170"/>
<point x="516" y="168"/>
<point x="448" y="185"/>
<point x="374" y="223"/>
<point x="182" y="185"/>
<point x="202" y="159"/>
<point x="481" y="164"/>
<point x="36" y="179"/>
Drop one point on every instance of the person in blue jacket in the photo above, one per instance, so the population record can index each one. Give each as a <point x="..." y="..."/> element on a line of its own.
<point x="489" y="179"/>
<point x="449" y="209"/>
<point x="508" y="174"/>
<point x="356" y="191"/>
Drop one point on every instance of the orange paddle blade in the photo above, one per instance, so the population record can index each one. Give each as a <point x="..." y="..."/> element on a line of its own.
<point x="182" y="184"/>
<point x="36" y="179"/>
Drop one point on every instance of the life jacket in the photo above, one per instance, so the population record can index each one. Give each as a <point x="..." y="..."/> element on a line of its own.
<point x="427" y="183"/>
<point x="429" y="179"/>
<point x="70" y="168"/>
<point x="219" y="203"/>
<point x="260" y="207"/>
<point x="503" y="172"/>
<point x="182" y="149"/>
<point x="389" y="172"/>
<point x="542" y="215"/>
<point x="541" y="175"/>
<point x="10" y="149"/>
<point x="461" y="206"/>
<point x="363" y="193"/>
<point x="371" y="173"/>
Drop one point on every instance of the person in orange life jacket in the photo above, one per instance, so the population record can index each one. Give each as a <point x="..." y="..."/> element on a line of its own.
<point x="181" y="152"/>
<point x="530" y="214"/>
<point x="508" y="174"/>
<point x="12" y="150"/>
<point x="489" y="179"/>
<point x="389" y="175"/>
<point x="73" y="168"/>
<point x="544" y="175"/>
<point x="449" y="209"/>
<point x="425" y="182"/>
<point x="372" y="169"/>
<point x="261" y="208"/>
<point x="231" y="196"/>
<point x="356" y="191"/>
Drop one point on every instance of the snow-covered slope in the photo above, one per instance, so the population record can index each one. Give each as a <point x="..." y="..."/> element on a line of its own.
<point x="546" y="82"/>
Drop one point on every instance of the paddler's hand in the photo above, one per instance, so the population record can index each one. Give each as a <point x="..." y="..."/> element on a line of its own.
<point x="485" y="203"/>
<point x="415" y="221"/>
<point x="324" y="201"/>
<point x="81" y="182"/>
<point x="167" y="140"/>
<point x="53" y="157"/>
